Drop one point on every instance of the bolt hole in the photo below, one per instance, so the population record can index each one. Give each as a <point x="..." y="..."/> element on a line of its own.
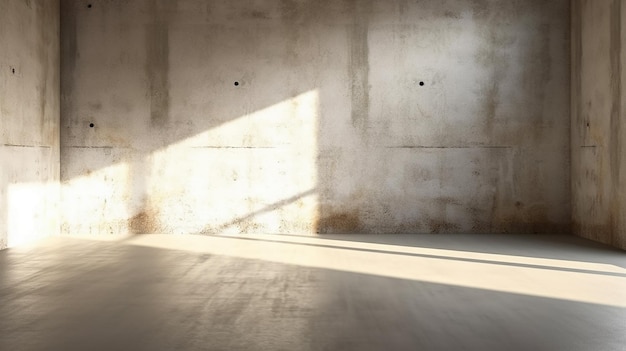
<point x="13" y="70"/>
<point x="89" y="6"/>
<point x="236" y="84"/>
<point x="91" y="125"/>
<point x="587" y="124"/>
<point x="421" y="84"/>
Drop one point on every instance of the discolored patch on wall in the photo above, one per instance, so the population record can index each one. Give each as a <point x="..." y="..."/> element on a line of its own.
<point x="491" y="55"/>
<point x="256" y="14"/>
<point x="452" y="14"/>
<point x="144" y="222"/>
<point x="339" y="223"/>
<point x="436" y="226"/>
<point x="95" y="106"/>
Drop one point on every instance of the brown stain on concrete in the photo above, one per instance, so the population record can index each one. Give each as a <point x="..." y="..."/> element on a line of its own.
<point x="339" y="223"/>
<point x="436" y="226"/>
<point x="143" y="222"/>
<point x="520" y="218"/>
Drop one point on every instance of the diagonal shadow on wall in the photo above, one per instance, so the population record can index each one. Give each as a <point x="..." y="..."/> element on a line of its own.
<point x="181" y="116"/>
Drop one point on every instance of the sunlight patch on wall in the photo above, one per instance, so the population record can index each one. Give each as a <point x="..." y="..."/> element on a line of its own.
<point x="252" y="174"/>
<point x="32" y="211"/>
<point x="96" y="203"/>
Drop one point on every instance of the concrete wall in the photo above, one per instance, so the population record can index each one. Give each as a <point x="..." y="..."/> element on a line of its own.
<point x="347" y="116"/>
<point x="29" y="120"/>
<point x="598" y="120"/>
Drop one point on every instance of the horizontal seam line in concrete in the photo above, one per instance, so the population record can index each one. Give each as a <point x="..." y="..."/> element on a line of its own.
<point x="29" y="146"/>
<point x="448" y="147"/>
<point x="235" y="147"/>
<point x="89" y="147"/>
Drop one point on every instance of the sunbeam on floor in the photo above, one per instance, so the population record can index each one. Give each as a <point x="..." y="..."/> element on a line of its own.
<point x="272" y="292"/>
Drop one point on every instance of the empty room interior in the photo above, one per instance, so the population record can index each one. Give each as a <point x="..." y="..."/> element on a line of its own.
<point x="313" y="175"/>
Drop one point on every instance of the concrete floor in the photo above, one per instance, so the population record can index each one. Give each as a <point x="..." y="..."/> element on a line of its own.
<point x="268" y="292"/>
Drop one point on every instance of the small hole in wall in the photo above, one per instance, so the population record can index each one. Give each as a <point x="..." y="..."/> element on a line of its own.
<point x="91" y="125"/>
<point x="587" y="124"/>
<point x="13" y="70"/>
<point x="236" y="84"/>
<point x="421" y="84"/>
<point x="89" y="6"/>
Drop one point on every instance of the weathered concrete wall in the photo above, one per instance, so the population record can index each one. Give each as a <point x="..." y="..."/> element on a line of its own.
<point x="598" y="120"/>
<point x="290" y="116"/>
<point x="29" y="120"/>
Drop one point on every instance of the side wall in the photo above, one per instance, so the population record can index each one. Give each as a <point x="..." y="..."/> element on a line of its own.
<point x="29" y="120"/>
<point x="195" y="116"/>
<point x="598" y="120"/>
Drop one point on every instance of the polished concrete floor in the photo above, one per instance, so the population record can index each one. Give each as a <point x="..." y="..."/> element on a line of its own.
<point x="270" y="292"/>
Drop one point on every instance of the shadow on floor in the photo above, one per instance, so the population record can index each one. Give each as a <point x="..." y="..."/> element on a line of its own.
<point x="559" y="247"/>
<point x="81" y="295"/>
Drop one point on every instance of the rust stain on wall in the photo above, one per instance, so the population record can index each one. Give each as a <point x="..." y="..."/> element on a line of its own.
<point x="345" y="222"/>
<point x="143" y="223"/>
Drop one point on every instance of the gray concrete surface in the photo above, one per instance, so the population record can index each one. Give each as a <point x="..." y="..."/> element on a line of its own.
<point x="328" y="130"/>
<point x="29" y="120"/>
<point x="270" y="292"/>
<point x="599" y="120"/>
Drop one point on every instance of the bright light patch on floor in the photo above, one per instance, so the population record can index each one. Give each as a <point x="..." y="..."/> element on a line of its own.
<point x="559" y="279"/>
